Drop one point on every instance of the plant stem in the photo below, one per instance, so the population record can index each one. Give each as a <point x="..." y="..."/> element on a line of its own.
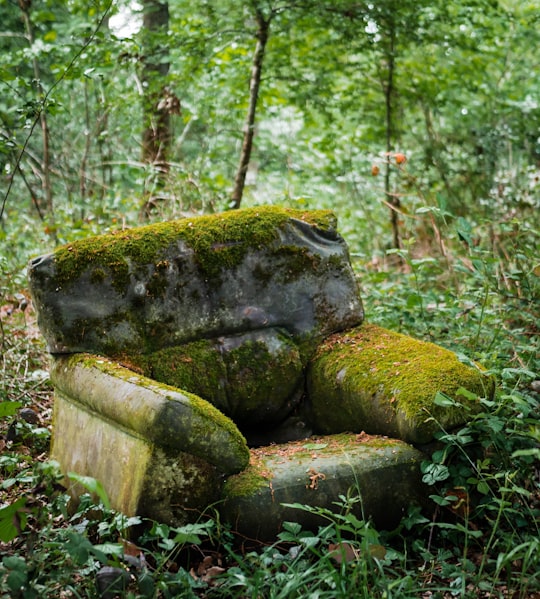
<point x="388" y="88"/>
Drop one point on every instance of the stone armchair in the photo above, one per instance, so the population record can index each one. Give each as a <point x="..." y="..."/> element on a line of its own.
<point x="222" y="362"/>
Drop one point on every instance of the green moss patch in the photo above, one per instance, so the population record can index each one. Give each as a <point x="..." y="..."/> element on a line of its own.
<point x="255" y="378"/>
<point x="196" y="367"/>
<point x="219" y="241"/>
<point x="383" y="382"/>
<point x="264" y="373"/>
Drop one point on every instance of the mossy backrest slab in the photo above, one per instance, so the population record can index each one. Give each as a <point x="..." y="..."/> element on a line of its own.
<point x="144" y="289"/>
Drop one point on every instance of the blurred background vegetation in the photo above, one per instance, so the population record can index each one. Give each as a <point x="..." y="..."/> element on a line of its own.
<point x="115" y="111"/>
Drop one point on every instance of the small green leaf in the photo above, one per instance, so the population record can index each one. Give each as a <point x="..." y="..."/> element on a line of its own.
<point x="81" y="549"/>
<point x="442" y="501"/>
<point x="18" y="575"/>
<point x="50" y="36"/>
<point x="352" y="519"/>
<point x="146" y="584"/>
<point x="467" y="394"/>
<point x="464" y="231"/>
<point x="434" y="473"/>
<point x="109" y="549"/>
<point x="9" y="408"/>
<point x="483" y="487"/>
<point x="93" y="486"/>
<point x="190" y="533"/>
<point x="161" y="530"/>
<point x="12" y="520"/>
<point x="522" y="453"/>
<point x="444" y="401"/>
<point x="309" y="541"/>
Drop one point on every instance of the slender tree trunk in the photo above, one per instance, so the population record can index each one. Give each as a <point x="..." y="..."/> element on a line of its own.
<point x="435" y="150"/>
<point x="83" y="190"/>
<point x="104" y="144"/>
<point x="263" y="32"/>
<point x="45" y="158"/>
<point x="156" y="138"/>
<point x="389" y="91"/>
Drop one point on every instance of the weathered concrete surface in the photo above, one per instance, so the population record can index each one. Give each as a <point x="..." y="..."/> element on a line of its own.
<point x="157" y="451"/>
<point x="235" y="308"/>
<point x="139" y="477"/>
<point x="161" y="414"/>
<point x="385" y="473"/>
<point x="162" y="285"/>
<point x="374" y="380"/>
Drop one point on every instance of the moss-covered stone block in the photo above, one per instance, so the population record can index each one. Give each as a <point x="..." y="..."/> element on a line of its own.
<point x="265" y="377"/>
<point x="172" y="341"/>
<point x="384" y="473"/>
<point x="197" y="367"/>
<point x="378" y="381"/>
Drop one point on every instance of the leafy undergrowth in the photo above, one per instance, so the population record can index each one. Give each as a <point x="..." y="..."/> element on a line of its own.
<point x="479" y="537"/>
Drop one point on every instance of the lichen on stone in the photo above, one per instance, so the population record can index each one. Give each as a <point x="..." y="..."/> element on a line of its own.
<point x="177" y="488"/>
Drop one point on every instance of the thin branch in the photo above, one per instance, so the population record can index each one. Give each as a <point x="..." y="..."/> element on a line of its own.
<point x="45" y="161"/>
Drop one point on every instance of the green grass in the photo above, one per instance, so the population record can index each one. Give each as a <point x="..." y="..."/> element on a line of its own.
<point x="479" y="538"/>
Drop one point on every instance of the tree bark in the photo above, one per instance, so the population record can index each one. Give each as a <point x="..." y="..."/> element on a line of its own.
<point x="263" y="32"/>
<point x="388" y="86"/>
<point x="45" y="158"/>
<point x="156" y="137"/>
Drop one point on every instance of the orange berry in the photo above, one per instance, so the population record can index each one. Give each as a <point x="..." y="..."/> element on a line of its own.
<point x="400" y="158"/>
<point x="375" y="170"/>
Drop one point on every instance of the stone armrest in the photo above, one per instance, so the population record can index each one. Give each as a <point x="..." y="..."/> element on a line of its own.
<point x="375" y="380"/>
<point x="161" y="414"/>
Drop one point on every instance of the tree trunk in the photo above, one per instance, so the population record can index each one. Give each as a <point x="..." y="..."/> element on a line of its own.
<point x="156" y="137"/>
<point x="388" y="86"/>
<point x="263" y="32"/>
<point x="45" y="158"/>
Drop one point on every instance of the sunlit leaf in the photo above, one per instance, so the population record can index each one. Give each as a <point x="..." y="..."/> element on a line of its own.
<point x="93" y="486"/>
<point x="50" y="36"/>
<point x="9" y="408"/>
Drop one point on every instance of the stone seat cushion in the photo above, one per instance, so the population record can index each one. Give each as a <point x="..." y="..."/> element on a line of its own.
<point x="384" y="473"/>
